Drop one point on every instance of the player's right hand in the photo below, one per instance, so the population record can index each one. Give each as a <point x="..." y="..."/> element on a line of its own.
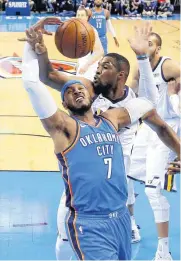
<point x="39" y="26"/>
<point x="35" y="39"/>
<point x="139" y="41"/>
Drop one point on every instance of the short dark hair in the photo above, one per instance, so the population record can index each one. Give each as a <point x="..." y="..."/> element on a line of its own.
<point x="158" y="38"/>
<point x="122" y="63"/>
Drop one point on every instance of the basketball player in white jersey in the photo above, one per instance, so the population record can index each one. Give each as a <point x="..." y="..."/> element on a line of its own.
<point x="149" y="155"/>
<point x="87" y="65"/>
<point x="127" y="136"/>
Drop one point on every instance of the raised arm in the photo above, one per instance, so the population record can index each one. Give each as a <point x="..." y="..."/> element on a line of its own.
<point x="139" y="44"/>
<point x="142" y="108"/>
<point x="47" y="74"/>
<point x="56" y="122"/>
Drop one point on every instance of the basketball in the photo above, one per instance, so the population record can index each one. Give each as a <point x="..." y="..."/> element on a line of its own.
<point x="75" y="38"/>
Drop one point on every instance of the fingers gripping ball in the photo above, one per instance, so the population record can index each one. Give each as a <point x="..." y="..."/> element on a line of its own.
<point x="75" y="38"/>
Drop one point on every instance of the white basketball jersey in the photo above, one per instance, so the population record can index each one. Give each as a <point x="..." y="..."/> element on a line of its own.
<point x="127" y="134"/>
<point x="164" y="107"/>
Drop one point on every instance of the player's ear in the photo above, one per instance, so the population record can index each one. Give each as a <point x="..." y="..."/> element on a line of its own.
<point x="121" y="75"/>
<point x="158" y="49"/>
<point x="64" y="105"/>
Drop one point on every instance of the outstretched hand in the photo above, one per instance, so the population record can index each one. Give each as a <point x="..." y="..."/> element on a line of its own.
<point x="35" y="39"/>
<point x="139" y="41"/>
<point x="39" y="26"/>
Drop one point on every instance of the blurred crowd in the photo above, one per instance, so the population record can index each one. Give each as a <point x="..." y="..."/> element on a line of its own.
<point x="163" y="8"/>
<point x="140" y="7"/>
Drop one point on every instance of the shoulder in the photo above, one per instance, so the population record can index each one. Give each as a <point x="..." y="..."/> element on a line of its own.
<point x="171" y="69"/>
<point x="169" y="63"/>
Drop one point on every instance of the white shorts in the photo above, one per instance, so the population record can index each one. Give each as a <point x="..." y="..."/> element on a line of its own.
<point x="139" y="153"/>
<point x="150" y="158"/>
<point x="61" y="214"/>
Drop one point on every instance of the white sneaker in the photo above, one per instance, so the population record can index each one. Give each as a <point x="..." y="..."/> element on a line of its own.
<point x="135" y="235"/>
<point x="160" y="256"/>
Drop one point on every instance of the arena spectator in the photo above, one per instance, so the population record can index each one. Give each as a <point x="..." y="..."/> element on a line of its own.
<point x="107" y="4"/>
<point x="125" y="6"/>
<point x="116" y="8"/>
<point x="149" y="7"/>
<point x="1" y="5"/>
<point x="164" y="8"/>
<point x="136" y="6"/>
<point x="31" y="4"/>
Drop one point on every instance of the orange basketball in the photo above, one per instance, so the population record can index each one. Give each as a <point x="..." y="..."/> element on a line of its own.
<point x="75" y="38"/>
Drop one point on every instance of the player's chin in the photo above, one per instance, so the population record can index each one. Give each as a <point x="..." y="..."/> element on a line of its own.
<point x="81" y="104"/>
<point x="96" y="84"/>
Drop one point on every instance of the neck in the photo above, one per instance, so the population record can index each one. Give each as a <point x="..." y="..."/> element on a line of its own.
<point x="118" y="93"/>
<point x="154" y="61"/>
<point x="88" y="117"/>
<point x="98" y="8"/>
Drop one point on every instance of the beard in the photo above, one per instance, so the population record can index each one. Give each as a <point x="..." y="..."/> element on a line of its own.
<point x="102" y="89"/>
<point x="79" y="111"/>
<point x="98" y="5"/>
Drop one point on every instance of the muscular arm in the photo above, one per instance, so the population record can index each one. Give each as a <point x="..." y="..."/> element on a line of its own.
<point x="171" y="70"/>
<point x="166" y="134"/>
<point x="47" y="74"/>
<point x="55" y="122"/>
<point x="141" y="108"/>
<point x="133" y="110"/>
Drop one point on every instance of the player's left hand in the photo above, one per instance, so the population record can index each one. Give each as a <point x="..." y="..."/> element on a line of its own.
<point x="116" y="42"/>
<point x="139" y="42"/>
<point x="174" y="167"/>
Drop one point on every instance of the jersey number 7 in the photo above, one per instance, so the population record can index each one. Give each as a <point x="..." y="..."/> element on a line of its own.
<point x="108" y="161"/>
